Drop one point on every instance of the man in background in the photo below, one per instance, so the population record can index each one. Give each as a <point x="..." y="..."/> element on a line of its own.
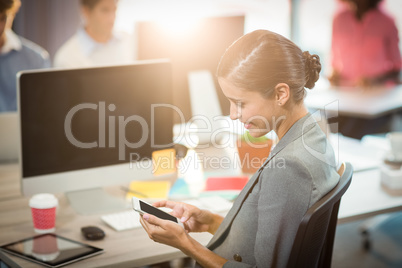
<point x="16" y="54"/>
<point x="96" y="43"/>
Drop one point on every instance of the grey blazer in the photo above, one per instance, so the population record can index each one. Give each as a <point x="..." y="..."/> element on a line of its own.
<point x="260" y="228"/>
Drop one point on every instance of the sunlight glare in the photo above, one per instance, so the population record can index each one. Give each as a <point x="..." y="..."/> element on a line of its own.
<point x="179" y="25"/>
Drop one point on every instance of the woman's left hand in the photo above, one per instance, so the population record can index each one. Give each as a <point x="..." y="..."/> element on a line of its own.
<point x="172" y="234"/>
<point x="164" y="231"/>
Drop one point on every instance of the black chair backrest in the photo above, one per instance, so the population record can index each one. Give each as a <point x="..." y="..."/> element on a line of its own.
<point x="314" y="240"/>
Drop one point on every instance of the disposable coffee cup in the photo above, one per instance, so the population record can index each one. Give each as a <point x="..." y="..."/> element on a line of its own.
<point x="43" y="209"/>
<point x="395" y="141"/>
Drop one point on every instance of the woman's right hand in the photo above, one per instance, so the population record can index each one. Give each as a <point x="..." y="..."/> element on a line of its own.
<point x="193" y="218"/>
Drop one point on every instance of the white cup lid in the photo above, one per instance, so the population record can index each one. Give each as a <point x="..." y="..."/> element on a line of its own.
<point x="43" y="201"/>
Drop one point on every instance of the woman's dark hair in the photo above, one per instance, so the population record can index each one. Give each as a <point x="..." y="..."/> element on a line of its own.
<point x="90" y="3"/>
<point x="364" y="4"/>
<point x="373" y="3"/>
<point x="6" y="5"/>
<point x="262" y="59"/>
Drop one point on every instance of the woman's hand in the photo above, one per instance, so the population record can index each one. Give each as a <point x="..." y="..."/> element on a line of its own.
<point x="164" y="231"/>
<point x="172" y="234"/>
<point x="193" y="218"/>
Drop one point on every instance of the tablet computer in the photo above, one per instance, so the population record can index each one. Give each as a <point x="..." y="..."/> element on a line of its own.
<point x="6" y="262"/>
<point x="51" y="250"/>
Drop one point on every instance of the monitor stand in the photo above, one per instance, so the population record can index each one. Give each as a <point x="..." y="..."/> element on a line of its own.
<point x="94" y="201"/>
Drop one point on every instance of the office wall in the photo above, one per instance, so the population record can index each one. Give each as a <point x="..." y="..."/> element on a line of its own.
<point x="51" y="22"/>
<point x="267" y="14"/>
<point x="48" y="23"/>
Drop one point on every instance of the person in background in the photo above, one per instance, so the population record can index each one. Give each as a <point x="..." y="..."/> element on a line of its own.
<point x="16" y="54"/>
<point x="365" y="54"/>
<point x="365" y="46"/>
<point x="96" y="43"/>
<point x="264" y="76"/>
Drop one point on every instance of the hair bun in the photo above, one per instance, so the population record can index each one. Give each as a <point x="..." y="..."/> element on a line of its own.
<point x="312" y="68"/>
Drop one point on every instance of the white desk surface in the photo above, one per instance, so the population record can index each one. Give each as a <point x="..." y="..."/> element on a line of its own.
<point x="366" y="198"/>
<point x="364" y="103"/>
<point x="362" y="156"/>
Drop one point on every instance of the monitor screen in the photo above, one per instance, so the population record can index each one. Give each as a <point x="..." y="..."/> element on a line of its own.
<point x="82" y="128"/>
<point x="198" y="45"/>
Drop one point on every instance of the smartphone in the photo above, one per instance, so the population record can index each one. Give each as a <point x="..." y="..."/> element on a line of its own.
<point x="143" y="207"/>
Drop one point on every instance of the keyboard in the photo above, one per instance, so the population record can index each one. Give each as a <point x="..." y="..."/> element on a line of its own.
<point x="124" y="220"/>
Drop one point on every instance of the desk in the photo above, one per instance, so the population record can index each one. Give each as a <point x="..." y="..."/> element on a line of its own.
<point x="10" y="185"/>
<point x="131" y="248"/>
<point x="365" y="198"/>
<point x="362" y="103"/>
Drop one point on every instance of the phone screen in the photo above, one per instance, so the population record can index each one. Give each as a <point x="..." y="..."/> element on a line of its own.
<point x="157" y="212"/>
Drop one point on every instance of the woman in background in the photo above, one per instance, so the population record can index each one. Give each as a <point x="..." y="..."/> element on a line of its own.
<point x="264" y="76"/>
<point x="365" y="46"/>
<point x="364" y="54"/>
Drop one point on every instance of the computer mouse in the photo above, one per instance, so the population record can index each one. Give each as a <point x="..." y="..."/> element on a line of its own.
<point x="92" y="232"/>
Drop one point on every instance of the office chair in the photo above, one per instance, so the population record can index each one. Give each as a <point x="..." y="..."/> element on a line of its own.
<point x="315" y="237"/>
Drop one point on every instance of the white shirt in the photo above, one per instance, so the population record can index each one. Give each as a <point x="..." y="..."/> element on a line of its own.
<point x="12" y="42"/>
<point x="82" y="51"/>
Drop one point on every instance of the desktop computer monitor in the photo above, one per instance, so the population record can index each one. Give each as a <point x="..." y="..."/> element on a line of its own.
<point x="89" y="128"/>
<point x="198" y="45"/>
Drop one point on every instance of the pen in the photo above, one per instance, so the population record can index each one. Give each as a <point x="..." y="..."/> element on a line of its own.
<point x="133" y="192"/>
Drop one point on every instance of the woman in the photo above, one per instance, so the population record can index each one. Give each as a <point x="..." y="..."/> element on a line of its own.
<point x="365" y="46"/>
<point x="364" y="54"/>
<point x="263" y="75"/>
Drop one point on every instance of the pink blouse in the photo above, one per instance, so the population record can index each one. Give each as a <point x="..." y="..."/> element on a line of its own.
<point x="367" y="48"/>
